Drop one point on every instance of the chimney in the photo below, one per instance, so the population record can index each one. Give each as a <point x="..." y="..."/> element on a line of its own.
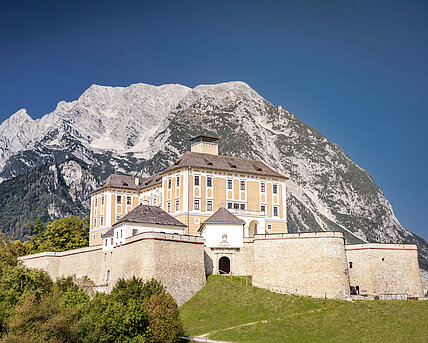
<point x="204" y="144"/>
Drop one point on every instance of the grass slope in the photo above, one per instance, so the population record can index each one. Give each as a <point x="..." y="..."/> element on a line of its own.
<point x="222" y="306"/>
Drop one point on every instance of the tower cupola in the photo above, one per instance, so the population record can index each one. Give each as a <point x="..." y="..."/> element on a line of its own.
<point x="204" y="144"/>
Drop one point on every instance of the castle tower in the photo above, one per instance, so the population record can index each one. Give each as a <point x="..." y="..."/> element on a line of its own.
<point x="204" y="144"/>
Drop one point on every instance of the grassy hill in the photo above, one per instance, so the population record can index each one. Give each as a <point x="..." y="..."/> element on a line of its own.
<point x="230" y="311"/>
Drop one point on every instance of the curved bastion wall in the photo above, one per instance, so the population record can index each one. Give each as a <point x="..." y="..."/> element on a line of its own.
<point x="384" y="269"/>
<point x="312" y="264"/>
<point x="175" y="260"/>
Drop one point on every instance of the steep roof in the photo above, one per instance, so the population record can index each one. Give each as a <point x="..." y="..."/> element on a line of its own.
<point x="224" y="163"/>
<point x="120" y="181"/>
<point x="222" y="216"/>
<point x="149" y="215"/>
<point x="129" y="182"/>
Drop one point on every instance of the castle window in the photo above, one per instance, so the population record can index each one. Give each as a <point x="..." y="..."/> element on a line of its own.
<point x="275" y="189"/>
<point x="350" y="265"/>
<point x="209" y="181"/>
<point x="209" y="205"/>
<point x="94" y="236"/>
<point x="242" y="185"/>
<point x="262" y="187"/>
<point x="263" y="208"/>
<point x="196" y="204"/>
<point x="117" y="234"/>
<point x="229" y="184"/>
<point x="196" y="180"/>
<point x="101" y="221"/>
<point x="108" y="275"/>
<point x="119" y="199"/>
<point x="178" y="181"/>
<point x="96" y="202"/>
<point x="242" y="206"/>
<point x="128" y="200"/>
<point x="269" y="227"/>
<point x="177" y="204"/>
<point x="105" y="242"/>
<point x="168" y="204"/>
<point x="121" y="233"/>
<point x="383" y="259"/>
<point x="102" y="200"/>
<point x="111" y="241"/>
<point x="95" y="222"/>
<point x="229" y="205"/>
<point x="134" y="232"/>
<point x="275" y="211"/>
<point x="169" y="183"/>
<point x="236" y="206"/>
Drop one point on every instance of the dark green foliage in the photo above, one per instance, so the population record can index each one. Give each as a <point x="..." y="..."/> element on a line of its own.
<point x="28" y="196"/>
<point x="33" y="308"/>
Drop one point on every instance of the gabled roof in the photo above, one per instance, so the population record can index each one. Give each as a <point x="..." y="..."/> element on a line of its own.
<point x="149" y="215"/>
<point x="222" y="216"/>
<point x="224" y="163"/>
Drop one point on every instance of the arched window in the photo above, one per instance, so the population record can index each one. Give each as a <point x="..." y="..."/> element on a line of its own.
<point x="108" y="275"/>
<point x="350" y="265"/>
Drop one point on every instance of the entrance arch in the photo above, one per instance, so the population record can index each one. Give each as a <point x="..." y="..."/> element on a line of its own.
<point x="224" y="265"/>
<point x="252" y="228"/>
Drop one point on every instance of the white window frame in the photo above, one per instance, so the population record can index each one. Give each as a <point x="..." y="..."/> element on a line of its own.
<point x="275" y="188"/>
<point x="198" y="182"/>
<point x="209" y="205"/>
<point x="262" y="187"/>
<point x="275" y="211"/>
<point x="177" y="204"/>
<point x="196" y="204"/>
<point x="242" y="185"/>
<point x="229" y="183"/>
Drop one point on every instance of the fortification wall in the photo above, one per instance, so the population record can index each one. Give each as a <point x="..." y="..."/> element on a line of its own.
<point x="384" y="269"/>
<point x="312" y="264"/>
<point x="175" y="260"/>
<point x="241" y="259"/>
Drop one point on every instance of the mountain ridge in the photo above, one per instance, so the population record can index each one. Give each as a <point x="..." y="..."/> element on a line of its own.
<point x="141" y="129"/>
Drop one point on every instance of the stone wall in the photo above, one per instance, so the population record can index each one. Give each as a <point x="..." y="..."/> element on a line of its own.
<point x="175" y="260"/>
<point x="384" y="269"/>
<point x="241" y="258"/>
<point x="312" y="264"/>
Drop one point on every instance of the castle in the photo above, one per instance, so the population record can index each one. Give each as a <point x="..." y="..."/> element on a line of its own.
<point x="209" y="214"/>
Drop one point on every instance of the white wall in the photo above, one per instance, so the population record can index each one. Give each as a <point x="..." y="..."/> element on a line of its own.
<point x="213" y="234"/>
<point x="124" y="230"/>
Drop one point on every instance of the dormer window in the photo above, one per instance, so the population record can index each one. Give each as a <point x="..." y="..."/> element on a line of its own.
<point x="125" y="184"/>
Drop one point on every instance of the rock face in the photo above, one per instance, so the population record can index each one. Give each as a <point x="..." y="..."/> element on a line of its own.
<point x="141" y="129"/>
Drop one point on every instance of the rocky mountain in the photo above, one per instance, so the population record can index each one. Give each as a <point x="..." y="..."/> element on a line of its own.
<point x="141" y="129"/>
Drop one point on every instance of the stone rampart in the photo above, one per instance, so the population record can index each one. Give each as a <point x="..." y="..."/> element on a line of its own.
<point x="384" y="269"/>
<point x="175" y="260"/>
<point x="312" y="264"/>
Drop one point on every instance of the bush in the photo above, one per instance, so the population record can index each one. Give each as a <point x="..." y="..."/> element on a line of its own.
<point x="164" y="318"/>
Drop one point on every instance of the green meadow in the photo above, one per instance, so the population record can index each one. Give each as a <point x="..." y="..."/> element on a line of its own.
<point x="231" y="311"/>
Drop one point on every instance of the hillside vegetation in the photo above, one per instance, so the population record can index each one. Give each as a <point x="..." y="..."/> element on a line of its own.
<point x="230" y="311"/>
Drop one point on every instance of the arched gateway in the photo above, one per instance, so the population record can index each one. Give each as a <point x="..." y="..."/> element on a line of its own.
<point x="224" y="265"/>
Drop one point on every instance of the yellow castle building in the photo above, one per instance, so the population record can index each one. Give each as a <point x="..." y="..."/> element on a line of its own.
<point x="199" y="183"/>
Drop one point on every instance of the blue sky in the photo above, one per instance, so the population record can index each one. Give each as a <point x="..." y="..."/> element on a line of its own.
<point x="356" y="71"/>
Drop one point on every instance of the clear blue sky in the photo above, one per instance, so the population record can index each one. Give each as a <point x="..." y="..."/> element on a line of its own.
<point x="357" y="71"/>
